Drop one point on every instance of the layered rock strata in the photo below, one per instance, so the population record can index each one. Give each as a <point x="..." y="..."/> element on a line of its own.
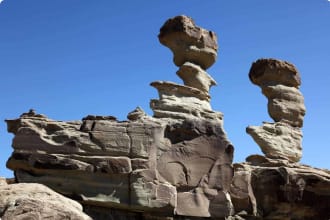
<point x="279" y="81"/>
<point x="177" y="163"/>
<point x="194" y="50"/>
<point x="273" y="189"/>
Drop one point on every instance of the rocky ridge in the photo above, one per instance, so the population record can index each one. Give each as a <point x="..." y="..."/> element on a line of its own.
<point x="175" y="165"/>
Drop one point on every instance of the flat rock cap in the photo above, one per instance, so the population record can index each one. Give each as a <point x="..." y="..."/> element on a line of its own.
<point x="272" y="71"/>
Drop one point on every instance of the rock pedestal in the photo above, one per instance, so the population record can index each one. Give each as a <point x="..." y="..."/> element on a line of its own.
<point x="194" y="50"/>
<point x="279" y="81"/>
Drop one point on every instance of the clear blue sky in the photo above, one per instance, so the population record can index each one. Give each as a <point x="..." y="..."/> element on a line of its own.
<point x="70" y="58"/>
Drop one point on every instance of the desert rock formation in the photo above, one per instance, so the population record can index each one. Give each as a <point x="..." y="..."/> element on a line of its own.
<point x="174" y="165"/>
<point x="272" y="189"/>
<point x="279" y="81"/>
<point x="194" y="49"/>
<point x="178" y="162"/>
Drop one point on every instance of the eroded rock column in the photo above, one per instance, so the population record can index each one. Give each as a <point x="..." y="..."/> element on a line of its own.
<point x="199" y="162"/>
<point x="194" y="50"/>
<point x="279" y="81"/>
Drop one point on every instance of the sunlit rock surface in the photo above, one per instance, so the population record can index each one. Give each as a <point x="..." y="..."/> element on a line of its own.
<point x="176" y="163"/>
<point x="279" y="81"/>
<point x="35" y="201"/>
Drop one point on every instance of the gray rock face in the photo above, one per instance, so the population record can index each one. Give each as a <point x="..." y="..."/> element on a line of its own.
<point x="149" y="164"/>
<point x="264" y="188"/>
<point x="35" y="201"/>
<point x="279" y="81"/>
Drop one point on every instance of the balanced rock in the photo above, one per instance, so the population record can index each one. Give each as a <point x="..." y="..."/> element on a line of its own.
<point x="158" y="166"/>
<point x="194" y="50"/>
<point x="279" y="81"/>
<point x="189" y="42"/>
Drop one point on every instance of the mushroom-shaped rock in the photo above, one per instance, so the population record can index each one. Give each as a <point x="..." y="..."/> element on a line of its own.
<point x="189" y="42"/>
<point x="279" y="81"/>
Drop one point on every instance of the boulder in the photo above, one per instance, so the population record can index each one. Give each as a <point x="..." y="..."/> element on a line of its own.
<point x="36" y="201"/>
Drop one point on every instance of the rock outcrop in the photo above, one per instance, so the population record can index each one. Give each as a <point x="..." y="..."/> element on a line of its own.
<point x="177" y="163"/>
<point x="279" y="81"/>
<point x="35" y="201"/>
<point x="274" y="189"/>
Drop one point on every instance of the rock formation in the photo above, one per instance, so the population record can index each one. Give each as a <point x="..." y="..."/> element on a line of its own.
<point x="274" y="189"/>
<point x="279" y="81"/>
<point x="176" y="165"/>
<point x="194" y="50"/>
<point x="35" y="201"/>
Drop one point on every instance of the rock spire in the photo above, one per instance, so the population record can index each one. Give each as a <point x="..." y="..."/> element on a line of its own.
<point x="279" y="81"/>
<point x="194" y="50"/>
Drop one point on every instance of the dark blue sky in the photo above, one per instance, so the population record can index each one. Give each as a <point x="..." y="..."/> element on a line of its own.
<point x="70" y="58"/>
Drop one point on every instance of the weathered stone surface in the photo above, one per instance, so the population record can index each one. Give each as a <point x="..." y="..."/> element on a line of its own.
<point x="86" y="161"/>
<point x="136" y="114"/>
<point x="194" y="49"/>
<point x="281" y="190"/>
<point x="3" y="181"/>
<point x="266" y="72"/>
<point x="182" y="102"/>
<point x="285" y="104"/>
<point x="176" y="165"/>
<point x="189" y="42"/>
<point x="278" y="140"/>
<point x="241" y="191"/>
<point x="279" y="81"/>
<point x="194" y="76"/>
<point x="35" y="201"/>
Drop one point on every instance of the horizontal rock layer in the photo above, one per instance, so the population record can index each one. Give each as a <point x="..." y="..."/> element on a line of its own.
<point x="182" y="102"/>
<point x="165" y="166"/>
<point x="279" y="81"/>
